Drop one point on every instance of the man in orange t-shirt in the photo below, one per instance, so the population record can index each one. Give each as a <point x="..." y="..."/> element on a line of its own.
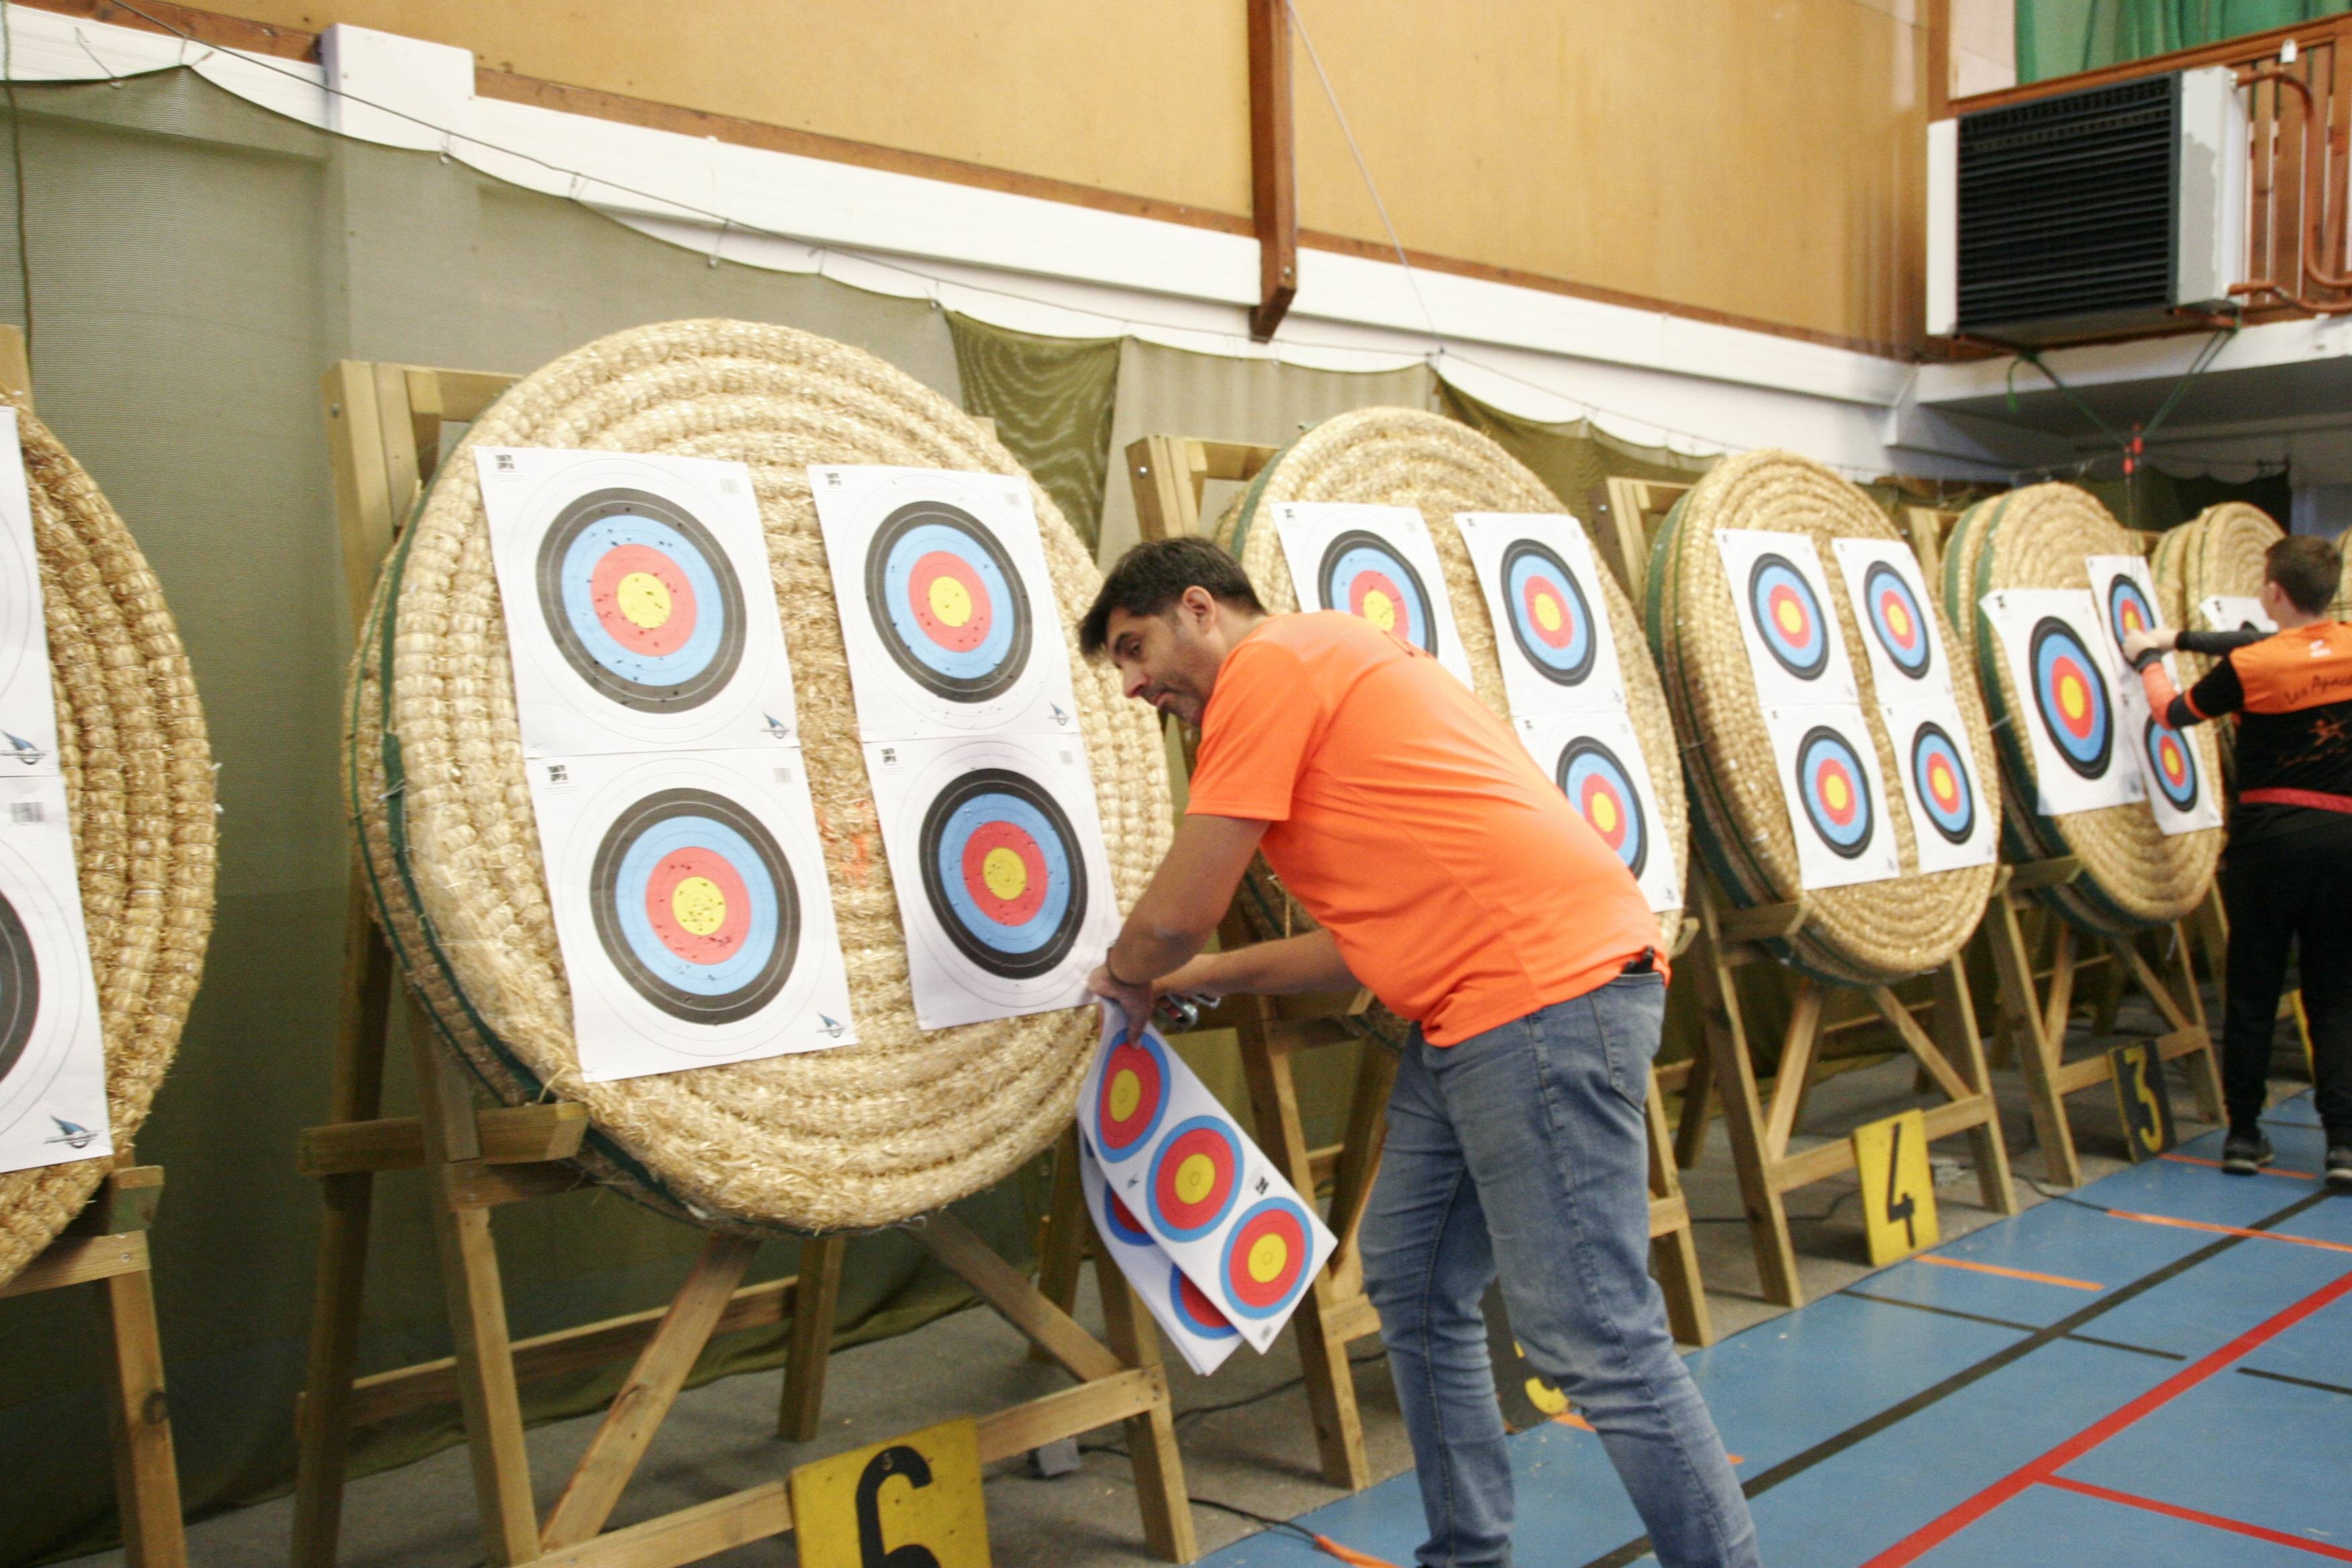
<point x="1452" y="878"/>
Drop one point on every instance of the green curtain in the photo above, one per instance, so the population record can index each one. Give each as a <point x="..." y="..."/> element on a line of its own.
<point x="1575" y="460"/>
<point x="2058" y="37"/>
<point x="1052" y="401"/>
<point x="196" y="264"/>
<point x="2155" y="500"/>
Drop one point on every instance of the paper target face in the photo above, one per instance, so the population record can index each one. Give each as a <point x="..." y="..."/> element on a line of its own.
<point x="2171" y="766"/>
<point x="2129" y="610"/>
<point x="1897" y="619"/>
<point x="52" y="1055"/>
<point x="1543" y="594"/>
<point x="1195" y="1177"/>
<point x="996" y="851"/>
<point x="692" y="908"/>
<point x="1789" y="615"/>
<point x="1191" y="1318"/>
<point x="1193" y="1308"/>
<point x="947" y="610"/>
<point x="2069" y="698"/>
<point x="1131" y="1095"/>
<point x="1551" y="621"/>
<point x="1597" y="782"/>
<point x="1267" y="1258"/>
<point x="1779" y="594"/>
<point x="1594" y="756"/>
<point x="1836" y="797"/>
<point x="1834" y="791"/>
<point x="29" y="719"/>
<point x="1939" y="778"/>
<point x="1376" y="563"/>
<point x="638" y="603"/>
<point x="1951" y="824"/>
<point x="2054" y="641"/>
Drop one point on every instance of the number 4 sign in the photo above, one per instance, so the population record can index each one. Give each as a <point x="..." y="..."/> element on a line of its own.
<point x="1898" y="1196"/>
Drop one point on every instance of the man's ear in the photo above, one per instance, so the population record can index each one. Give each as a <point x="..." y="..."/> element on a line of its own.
<point x="1198" y="607"/>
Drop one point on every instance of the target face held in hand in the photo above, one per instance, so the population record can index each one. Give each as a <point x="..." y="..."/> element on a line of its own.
<point x="1131" y="1096"/>
<point x="1368" y="577"/>
<point x="1940" y="779"/>
<point x="2172" y="766"/>
<point x="1788" y="616"/>
<point x="1264" y="1266"/>
<point x="2071" y="697"/>
<point x="641" y="601"/>
<point x="1195" y="1178"/>
<point x="947" y="602"/>
<point x="1120" y="1222"/>
<point x="1835" y="792"/>
<point x="1595" y="781"/>
<point x="1550" y="619"/>
<point x="1897" y="620"/>
<point x="695" y="906"/>
<point x="1195" y="1309"/>
<point x="1004" y="874"/>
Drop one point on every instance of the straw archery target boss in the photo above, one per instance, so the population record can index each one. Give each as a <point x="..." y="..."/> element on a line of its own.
<point x="641" y="601"/>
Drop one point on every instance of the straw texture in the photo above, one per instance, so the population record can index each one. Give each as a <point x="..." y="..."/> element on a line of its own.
<point x="1403" y="456"/>
<point x="870" y="1134"/>
<point x="1865" y="935"/>
<point x="2133" y="876"/>
<point x="139" y="789"/>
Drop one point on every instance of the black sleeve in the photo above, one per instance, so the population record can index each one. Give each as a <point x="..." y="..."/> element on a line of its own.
<point x="2213" y="645"/>
<point x="2219" y="692"/>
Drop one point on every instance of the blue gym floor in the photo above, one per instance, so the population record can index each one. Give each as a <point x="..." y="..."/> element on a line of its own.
<point x="2134" y="1392"/>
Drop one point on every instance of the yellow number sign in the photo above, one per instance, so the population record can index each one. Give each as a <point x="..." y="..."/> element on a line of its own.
<point x="911" y="1502"/>
<point x="2142" y="1098"/>
<point x="1898" y="1197"/>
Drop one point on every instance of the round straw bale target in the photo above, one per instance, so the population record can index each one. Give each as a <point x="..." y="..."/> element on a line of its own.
<point x="2133" y="876"/>
<point x="2220" y="551"/>
<point x="867" y="1134"/>
<point x="139" y="793"/>
<point x="1863" y="934"/>
<point x="1403" y="456"/>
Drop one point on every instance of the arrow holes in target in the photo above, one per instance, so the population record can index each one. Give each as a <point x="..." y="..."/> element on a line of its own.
<point x="695" y="906"/>
<point x="1003" y="873"/>
<point x="947" y="602"/>
<point x="641" y="601"/>
<point x="1368" y="577"/>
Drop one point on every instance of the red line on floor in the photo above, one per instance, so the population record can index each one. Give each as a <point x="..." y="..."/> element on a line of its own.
<point x="2198" y="1516"/>
<point x="2009" y="1273"/>
<point x="2216" y="1164"/>
<point x="1937" y="1530"/>
<point x="2230" y="1230"/>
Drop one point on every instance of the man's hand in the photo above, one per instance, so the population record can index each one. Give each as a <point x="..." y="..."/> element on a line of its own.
<point x="1135" y="1001"/>
<point x="2140" y="645"/>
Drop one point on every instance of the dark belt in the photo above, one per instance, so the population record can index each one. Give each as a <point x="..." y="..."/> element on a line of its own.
<point x="1646" y="962"/>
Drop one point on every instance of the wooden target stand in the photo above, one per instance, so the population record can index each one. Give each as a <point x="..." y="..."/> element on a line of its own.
<point x="384" y="424"/>
<point x="106" y="1244"/>
<point x="1169" y="474"/>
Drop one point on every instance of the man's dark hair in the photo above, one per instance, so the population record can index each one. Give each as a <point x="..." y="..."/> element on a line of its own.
<point x="2306" y="568"/>
<point x="1151" y="576"/>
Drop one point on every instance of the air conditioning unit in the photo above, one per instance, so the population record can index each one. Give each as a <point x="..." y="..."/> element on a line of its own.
<point x="2088" y="215"/>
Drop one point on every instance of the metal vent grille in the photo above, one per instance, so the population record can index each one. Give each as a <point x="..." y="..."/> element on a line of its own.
<point x="2066" y="205"/>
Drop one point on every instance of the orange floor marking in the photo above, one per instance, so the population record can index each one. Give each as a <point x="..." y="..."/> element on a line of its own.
<point x="2230" y="1230"/>
<point x="2216" y="1164"/>
<point x="2009" y="1273"/>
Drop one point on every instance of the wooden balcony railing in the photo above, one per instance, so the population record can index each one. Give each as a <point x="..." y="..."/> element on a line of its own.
<point x="2296" y="83"/>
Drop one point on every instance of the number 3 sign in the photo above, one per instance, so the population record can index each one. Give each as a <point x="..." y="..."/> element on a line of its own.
<point x="911" y="1502"/>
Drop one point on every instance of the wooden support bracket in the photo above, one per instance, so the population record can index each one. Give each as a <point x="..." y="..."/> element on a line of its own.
<point x="1274" y="172"/>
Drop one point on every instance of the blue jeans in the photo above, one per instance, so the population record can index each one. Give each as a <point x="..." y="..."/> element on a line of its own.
<point x="1524" y="1150"/>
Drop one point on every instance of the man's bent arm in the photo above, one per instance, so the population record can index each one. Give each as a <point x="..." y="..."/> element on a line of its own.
<point x="1188" y="896"/>
<point x="1292" y="964"/>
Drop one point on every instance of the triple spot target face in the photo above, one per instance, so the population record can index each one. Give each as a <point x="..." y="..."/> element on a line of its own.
<point x="1264" y="1266"/>
<point x="2070" y="697"/>
<point x="1366" y="576"/>
<point x="695" y="906"/>
<point x="1596" y="782"/>
<point x="950" y="605"/>
<point x="1132" y="1096"/>
<point x="1195" y="1178"/>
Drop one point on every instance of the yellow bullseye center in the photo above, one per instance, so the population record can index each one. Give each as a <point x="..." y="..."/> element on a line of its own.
<point x="1899" y="619"/>
<point x="1548" y="613"/>
<point x="1380" y="610"/>
<point x="1195" y="1177"/>
<point x="1792" y="619"/>
<point x="2071" y="698"/>
<point x="1125" y="1094"/>
<point x="644" y="601"/>
<point x="1267" y="1255"/>
<point x="950" y="601"/>
<point x="698" y="905"/>
<point x="1604" y="814"/>
<point x="1939" y="778"/>
<point x="1833" y="791"/>
<point x="1006" y="876"/>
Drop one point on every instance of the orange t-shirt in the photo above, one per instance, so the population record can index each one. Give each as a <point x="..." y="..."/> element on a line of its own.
<point x="1461" y="885"/>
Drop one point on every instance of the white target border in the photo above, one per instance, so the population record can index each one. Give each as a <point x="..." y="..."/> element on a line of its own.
<point x="28" y="710"/>
<point x="2013" y="613"/>
<point x="619" y="1033"/>
<point x="1306" y="529"/>
<point x="853" y="502"/>
<point x="1855" y="558"/>
<point x="949" y="988"/>
<point x="1547" y="735"/>
<point x="61" y="1077"/>
<point x="1489" y="536"/>
<point x="1818" y="864"/>
<point x="524" y="490"/>
<point x="1740" y="549"/>
<point x="1937" y="853"/>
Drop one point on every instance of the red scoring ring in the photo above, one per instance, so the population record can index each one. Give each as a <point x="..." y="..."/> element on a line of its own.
<point x="1822" y="773"/>
<point x="1802" y="637"/>
<point x="1197" y="1306"/>
<point x="1596" y="786"/>
<point x="2060" y="670"/>
<point x="1891" y="605"/>
<point x="930" y="568"/>
<point x="1246" y="1289"/>
<point x="1365" y="583"/>
<point x="1169" y="1162"/>
<point x="676" y="866"/>
<point x="604" y="593"/>
<point x="1118" y="1135"/>
<point x="991" y="835"/>
<point x="1537" y="590"/>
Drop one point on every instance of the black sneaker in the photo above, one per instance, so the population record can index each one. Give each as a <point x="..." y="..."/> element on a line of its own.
<point x="2243" y="1154"/>
<point x="2339" y="1166"/>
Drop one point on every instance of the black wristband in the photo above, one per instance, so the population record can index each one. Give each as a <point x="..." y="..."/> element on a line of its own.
<point x="2151" y="656"/>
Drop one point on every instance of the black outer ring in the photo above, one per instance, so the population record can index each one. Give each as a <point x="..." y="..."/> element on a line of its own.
<point x="1879" y="569"/>
<point x="2115" y="586"/>
<point x="569" y="524"/>
<point x="1754" y="608"/>
<point x="1574" y="675"/>
<point x="2196" y="780"/>
<point x="982" y="781"/>
<point x="1580" y="747"/>
<point x="1358" y="536"/>
<point x="1861" y="788"/>
<point x="20" y="988"/>
<point x="2047" y="627"/>
<point x="1919" y="782"/>
<point x="955" y="688"/>
<point x="633" y="824"/>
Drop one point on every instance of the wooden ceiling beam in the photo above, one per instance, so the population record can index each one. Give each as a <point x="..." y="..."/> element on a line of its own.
<point x="1274" y="168"/>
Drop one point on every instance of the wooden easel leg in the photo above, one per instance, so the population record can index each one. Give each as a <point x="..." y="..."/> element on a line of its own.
<point x="322" y="1436"/>
<point x="1322" y="1352"/>
<point x="1955" y="1032"/>
<point x="1674" y="1256"/>
<point x="2205" y="1081"/>
<point x="1698" y="1096"/>
<point x="1743" y="1119"/>
<point x="1150" y="1437"/>
<point x="1359" y="1163"/>
<point x="815" y="1297"/>
<point x="146" y="1477"/>
<point x="2014" y="965"/>
<point x="1065" y="1249"/>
